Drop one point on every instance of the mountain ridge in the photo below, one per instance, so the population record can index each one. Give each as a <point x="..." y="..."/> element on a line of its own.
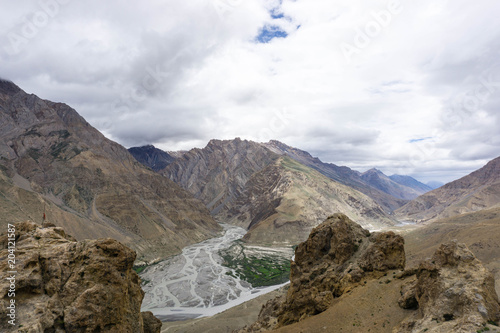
<point x="53" y="161"/>
<point x="379" y="180"/>
<point x="284" y="201"/>
<point x="341" y="174"/>
<point x="275" y="197"/>
<point x="474" y="192"/>
<point x="412" y="183"/>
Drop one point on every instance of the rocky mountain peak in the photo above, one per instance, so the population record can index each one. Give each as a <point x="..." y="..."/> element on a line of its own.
<point x="8" y="87"/>
<point x="278" y="144"/>
<point x="68" y="286"/>
<point x="374" y="171"/>
<point x="217" y="173"/>
<point x="152" y="157"/>
<point x="490" y="172"/>
<point x="284" y="149"/>
<point x="220" y="143"/>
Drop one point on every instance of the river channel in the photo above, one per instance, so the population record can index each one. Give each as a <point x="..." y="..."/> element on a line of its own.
<point x="195" y="283"/>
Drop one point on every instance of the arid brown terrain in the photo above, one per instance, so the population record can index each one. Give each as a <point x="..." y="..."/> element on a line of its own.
<point x="52" y="161"/>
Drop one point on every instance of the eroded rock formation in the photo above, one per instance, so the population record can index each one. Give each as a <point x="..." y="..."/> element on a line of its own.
<point x="454" y="292"/>
<point x="66" y="286"/>
<point x="338" y="255"/>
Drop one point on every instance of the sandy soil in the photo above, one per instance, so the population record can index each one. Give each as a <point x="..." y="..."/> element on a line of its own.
<point x="227" y="321"/>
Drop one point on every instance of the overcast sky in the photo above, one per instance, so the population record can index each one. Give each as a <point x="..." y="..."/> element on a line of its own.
<point x="409" y="87"/>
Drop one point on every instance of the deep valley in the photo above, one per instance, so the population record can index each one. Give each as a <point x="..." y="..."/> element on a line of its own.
<point x="262" y="234"/>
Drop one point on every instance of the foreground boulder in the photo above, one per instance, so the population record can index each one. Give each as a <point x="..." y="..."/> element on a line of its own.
<point x="338" y="255"/>
<point x="66" y="286"/>
<point x="454" y="292"/>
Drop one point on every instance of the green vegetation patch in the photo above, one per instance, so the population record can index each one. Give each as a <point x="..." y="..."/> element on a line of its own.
<point x="259" y="269"/>
<point x="290" y="164"/>
<point x="139" y="269"/>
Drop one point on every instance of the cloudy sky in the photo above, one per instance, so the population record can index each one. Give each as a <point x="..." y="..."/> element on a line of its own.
<point x="408" y="87"/>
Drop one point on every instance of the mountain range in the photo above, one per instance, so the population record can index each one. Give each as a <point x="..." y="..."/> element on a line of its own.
<point x="54" y="163"/>
<point x="278" y="192"/>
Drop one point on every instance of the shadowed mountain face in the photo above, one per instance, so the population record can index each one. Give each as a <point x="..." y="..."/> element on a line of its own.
<point x="412" y="183"/>
<point x="51" y="157"/>
<point x="398" y="189"/>
<point x="341" y="174"/>
<point x="474" y="192"/>
<point x="151" y="157"/>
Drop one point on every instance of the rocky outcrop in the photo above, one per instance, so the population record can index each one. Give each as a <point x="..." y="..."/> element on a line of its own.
<point x="66" y="286"/>
<point x="337" y="257"/>
<point x="454" y="292"/>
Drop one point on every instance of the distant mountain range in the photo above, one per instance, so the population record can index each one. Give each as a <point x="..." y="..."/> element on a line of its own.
<point x="341" y="174"/>
<point x="279" y="192"/>
<point x="401" y="187"/>
<point x="53" y="162"/>
<point x="434" y="184"/>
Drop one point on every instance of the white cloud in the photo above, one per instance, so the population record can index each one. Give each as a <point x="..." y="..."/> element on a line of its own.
<point x="177" y="74"/>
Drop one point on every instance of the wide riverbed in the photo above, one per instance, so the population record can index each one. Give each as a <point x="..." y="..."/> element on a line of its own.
<point x="194" y="283"/>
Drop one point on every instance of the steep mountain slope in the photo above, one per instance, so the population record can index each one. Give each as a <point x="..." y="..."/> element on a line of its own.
<point x="411" y="182"/>
<point x="379" y="180"/>
<point x="341" y="174"/>
<point x="51" y="157"/>
<point x="217" y="174"/>
<point x="474" y="192"/>
<point x="152" y="157"/>
<point x="285" y="200"/>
